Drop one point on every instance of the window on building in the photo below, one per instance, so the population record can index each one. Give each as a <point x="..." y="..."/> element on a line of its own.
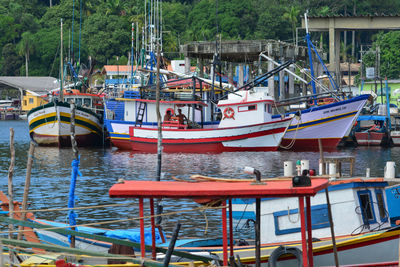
<point x="25" y="103"/>
<point x="30" y="100"/>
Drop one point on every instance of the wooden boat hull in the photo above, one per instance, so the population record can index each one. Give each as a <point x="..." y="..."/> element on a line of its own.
<point x="370" y="138"/>
<point x="374" y="247"/>
<point x="395" y="135"/>
<point x="49" y="125"/>
<point x="260" y="137"/>
<point x="330" y="123"/>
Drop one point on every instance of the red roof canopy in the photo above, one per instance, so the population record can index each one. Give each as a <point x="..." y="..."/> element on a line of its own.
<point x="173" y="189"/>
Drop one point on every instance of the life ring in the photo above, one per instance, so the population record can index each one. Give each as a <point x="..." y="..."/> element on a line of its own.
<point x="229" y="113"/>
<point x="172" y="111"/>
<point x="281" y="250"/>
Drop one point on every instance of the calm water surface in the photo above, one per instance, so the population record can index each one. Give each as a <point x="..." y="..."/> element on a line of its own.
<point x="101" y="168"/>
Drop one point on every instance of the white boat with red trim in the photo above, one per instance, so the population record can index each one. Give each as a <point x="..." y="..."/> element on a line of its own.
<point x="246" y="125"/>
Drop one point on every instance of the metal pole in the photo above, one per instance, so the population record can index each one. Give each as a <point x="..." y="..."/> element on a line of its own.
<point x="303" y="232"/>
<point x="171" y="246"/>
<point x="61" y="65"/>
<point x="224" y="234"/>
<point x="141" y="220"/>
<point x="332" y="228"/>
<point x="309" y="232"/>
<point x="257" y="232"/>
<point x="159" y="137"/>
<point x="153" y="230"/>
<point x="230" y="228"/>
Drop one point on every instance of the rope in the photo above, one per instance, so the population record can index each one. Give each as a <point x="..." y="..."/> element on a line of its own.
<point x="76" y="208"/>
<point x="295" y="221"/>
<point x="291" y="144"/>
<point x="125" y="220"/>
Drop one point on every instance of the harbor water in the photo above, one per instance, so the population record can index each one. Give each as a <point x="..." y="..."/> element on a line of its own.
<point x="102" y="167"/>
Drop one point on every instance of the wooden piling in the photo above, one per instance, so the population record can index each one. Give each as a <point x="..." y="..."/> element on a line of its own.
<point x="11" y="189"/>
<point x="27" y="185"/>
<point x="75" y="150"/>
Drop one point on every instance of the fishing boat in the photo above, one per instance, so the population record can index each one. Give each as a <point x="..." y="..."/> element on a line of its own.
<point x="371" y="131"/>
<point x="246" y="125"/>
<point x="328" y="123"/>
<point x="138" y="108"/>
<point x="49" y="124"/>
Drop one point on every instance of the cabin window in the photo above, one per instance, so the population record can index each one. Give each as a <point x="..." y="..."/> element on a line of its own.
<point x="267" y="108"/>
<point x="78" y="101"/>
<point x="381" y="205"/>
<point x="247" y="108"/>
<point x="87" y="102"/>
<point x="366" y="208"/>
<point x="30" y="100"/>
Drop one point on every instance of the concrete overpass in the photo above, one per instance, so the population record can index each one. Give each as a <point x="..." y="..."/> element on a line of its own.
<point x="336" y="24"/>
<point x="248" y="52"/>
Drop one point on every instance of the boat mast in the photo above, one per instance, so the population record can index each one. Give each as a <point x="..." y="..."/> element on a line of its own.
<point x="310" y="58"/>
<point x="61" y="65"/>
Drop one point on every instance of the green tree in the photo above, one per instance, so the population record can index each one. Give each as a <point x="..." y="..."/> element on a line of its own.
<point x="106" y="36"/>
<point x="25" y="47"/>
<point x="292" y="14"/>
<point x="11" y="62"/>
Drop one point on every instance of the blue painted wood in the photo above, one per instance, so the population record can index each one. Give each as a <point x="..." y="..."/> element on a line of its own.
<point x="319" y="219"/>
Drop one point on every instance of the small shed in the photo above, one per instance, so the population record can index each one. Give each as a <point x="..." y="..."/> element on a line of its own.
<point x="31" y="88"/>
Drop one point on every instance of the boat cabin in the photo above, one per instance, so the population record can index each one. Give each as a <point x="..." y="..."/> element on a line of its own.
<point x="243" y="108"/>
<point x="358" y="206"/>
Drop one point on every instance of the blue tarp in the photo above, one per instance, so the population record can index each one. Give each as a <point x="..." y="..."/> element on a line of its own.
<point x="371" y="118"/>
<point x="134" y="235"/>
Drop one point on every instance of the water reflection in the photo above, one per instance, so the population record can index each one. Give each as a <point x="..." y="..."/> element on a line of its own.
<point x="101" y="168"/>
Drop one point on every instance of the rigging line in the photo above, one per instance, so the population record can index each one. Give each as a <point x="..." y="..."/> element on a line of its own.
<point x="72" y="35"/>
<point x="76" y="208"/>
<point x="124" y="220"/>
<point x="80" y="32"/>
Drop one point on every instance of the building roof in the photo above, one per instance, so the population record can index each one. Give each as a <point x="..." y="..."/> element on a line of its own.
<point x="118" y="70"/>
<point x="38" y="85"/>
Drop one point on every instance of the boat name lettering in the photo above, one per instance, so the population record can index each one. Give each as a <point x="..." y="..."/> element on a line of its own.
<point x="333" y="110"/>
<point x="39" y="113"/>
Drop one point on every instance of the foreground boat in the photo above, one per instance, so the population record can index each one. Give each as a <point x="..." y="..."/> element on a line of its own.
<point x="246" y="125"/>
<point x="49" y="125"/>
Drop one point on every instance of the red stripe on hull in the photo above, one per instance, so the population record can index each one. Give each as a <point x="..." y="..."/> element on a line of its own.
<point x="204" y="148"/>
<point x="328" y="144"/>
<point x="206" y="140"/>
<point x="370" y="138"/>
<point x="122" y="144"/>
<point x="88" y="140"/>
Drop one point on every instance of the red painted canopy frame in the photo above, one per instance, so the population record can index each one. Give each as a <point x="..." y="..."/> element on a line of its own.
<point x="227" y="191"/>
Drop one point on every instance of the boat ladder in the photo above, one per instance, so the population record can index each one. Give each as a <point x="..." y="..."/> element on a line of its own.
<point x="140" y="113"/>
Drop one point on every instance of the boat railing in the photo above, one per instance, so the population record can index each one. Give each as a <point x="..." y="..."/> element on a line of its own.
<point x="174" y="124"/>
<point x="307" y="98"/>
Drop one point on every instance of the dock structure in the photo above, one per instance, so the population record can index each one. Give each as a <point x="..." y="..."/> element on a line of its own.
<point x="336" y="24"/>
<point x="241" y="52"/>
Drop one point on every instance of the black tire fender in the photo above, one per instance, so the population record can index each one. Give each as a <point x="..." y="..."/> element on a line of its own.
<point x="281" y="250"/>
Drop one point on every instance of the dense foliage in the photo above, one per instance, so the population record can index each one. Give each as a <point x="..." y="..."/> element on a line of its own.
<point x="30" y="30"/>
